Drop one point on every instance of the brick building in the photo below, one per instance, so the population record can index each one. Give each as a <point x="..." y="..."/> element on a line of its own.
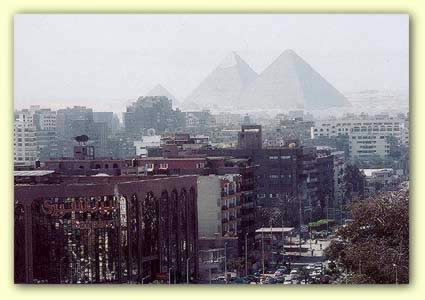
<point x="105" y="229"/>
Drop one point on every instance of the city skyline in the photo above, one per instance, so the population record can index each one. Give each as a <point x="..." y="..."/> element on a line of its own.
<point x="107" y="47"/>
<point x="285" y="162"/>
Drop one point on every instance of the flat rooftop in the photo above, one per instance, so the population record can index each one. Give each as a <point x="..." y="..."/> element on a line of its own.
<point x="32" y="173"/>
<point x="274" y="229"/>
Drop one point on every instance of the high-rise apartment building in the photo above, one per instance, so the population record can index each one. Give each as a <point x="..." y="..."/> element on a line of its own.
<point x="24" y="139"/>
<point x="154" y="112"/>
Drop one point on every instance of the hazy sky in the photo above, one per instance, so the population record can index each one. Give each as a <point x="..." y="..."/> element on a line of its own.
<point x="104" y="61"/>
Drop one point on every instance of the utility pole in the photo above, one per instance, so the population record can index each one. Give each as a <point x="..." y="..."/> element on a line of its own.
<point x="271" y="242"/>
<point x="246" y="253"/>
<point x="262" y="246"/>
<point x="300" y="225"/>
<point x="169" y="275"/>
<point x="187" y="269"/>
<point x="283" y="241"/>
<point x="225" y="261"/>
<point x="327" y="215"/>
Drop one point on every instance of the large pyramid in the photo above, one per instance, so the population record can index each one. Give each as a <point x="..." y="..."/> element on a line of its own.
<point x="291" y="83"/>
<point x="224" y="85"/>
<point x="159" y="90"/>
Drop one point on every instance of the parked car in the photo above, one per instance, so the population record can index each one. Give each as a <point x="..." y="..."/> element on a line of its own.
<point x="281" y="271"/>
<point x="239" y="280"/>
<point x="294" y="271"/>
<point x="270" y="280"/>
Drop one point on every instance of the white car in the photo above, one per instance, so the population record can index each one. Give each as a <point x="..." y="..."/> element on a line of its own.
<point x="287" y="281"/>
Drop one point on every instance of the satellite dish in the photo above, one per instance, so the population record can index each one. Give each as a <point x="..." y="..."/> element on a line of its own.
<point x="151" y="131"/>
<point x="82" y="138"/>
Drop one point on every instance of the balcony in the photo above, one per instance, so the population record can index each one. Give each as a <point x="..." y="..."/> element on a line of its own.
<point x="224" y="207"/>
<point x="224" y="220"/>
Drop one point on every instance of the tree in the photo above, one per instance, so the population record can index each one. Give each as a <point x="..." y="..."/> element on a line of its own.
<point x="376" y="245"/>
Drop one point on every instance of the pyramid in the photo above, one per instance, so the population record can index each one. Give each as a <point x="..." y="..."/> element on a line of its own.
<point x="159" y="90"/>
<point x="291" y="83"/>
<point x="224" y="84"/>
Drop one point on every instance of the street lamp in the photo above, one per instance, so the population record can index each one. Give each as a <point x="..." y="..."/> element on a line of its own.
<point x="187" y="269"/>
<point x="396" y="277"/>
<point x="60" y="269"/>
<point x="169" y="275"/>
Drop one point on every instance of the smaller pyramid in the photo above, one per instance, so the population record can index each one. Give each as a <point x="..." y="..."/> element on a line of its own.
<point x="160" y="90"/>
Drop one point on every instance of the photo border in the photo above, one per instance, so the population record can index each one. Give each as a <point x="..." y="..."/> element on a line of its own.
<point x="8" y="8"/>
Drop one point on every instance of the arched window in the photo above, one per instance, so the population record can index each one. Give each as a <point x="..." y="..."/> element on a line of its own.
<point x="115" y="166"/>
<point x="106" y="166"/>
<point x="97" y="166"/>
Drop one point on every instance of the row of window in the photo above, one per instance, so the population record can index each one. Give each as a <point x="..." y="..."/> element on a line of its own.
<point x="271" y="195"/>
<point x="281" y="157"/>
<point x="280" y="176"/>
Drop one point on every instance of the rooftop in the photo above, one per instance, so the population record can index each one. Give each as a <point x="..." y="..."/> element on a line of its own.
<point x="274" y="229"/>
<point x="370" y="172"/>
<point x="32" y="173"/>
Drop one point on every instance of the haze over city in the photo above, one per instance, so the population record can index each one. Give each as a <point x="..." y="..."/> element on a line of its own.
<point x="211" y="149"/>
<point x="107" y="61"/>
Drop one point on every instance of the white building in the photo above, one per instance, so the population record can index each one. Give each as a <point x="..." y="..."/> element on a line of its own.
<point x="209" y="206"/>
<point x="148" y="141"/>
<point x="35" y="136"/>
<point x="24" y="140"/>
<point x="338" y="127"/>
<point x="219" y="205"/>
<point x="363" y="145"/>
<point x="368" y="136"/>
<point x="47" y="119"/>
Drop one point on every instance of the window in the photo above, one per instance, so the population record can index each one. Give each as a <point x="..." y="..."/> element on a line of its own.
<point x="273" y="157"/>
<point x="285" y="157"/>
<point x="200" y="165"/>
